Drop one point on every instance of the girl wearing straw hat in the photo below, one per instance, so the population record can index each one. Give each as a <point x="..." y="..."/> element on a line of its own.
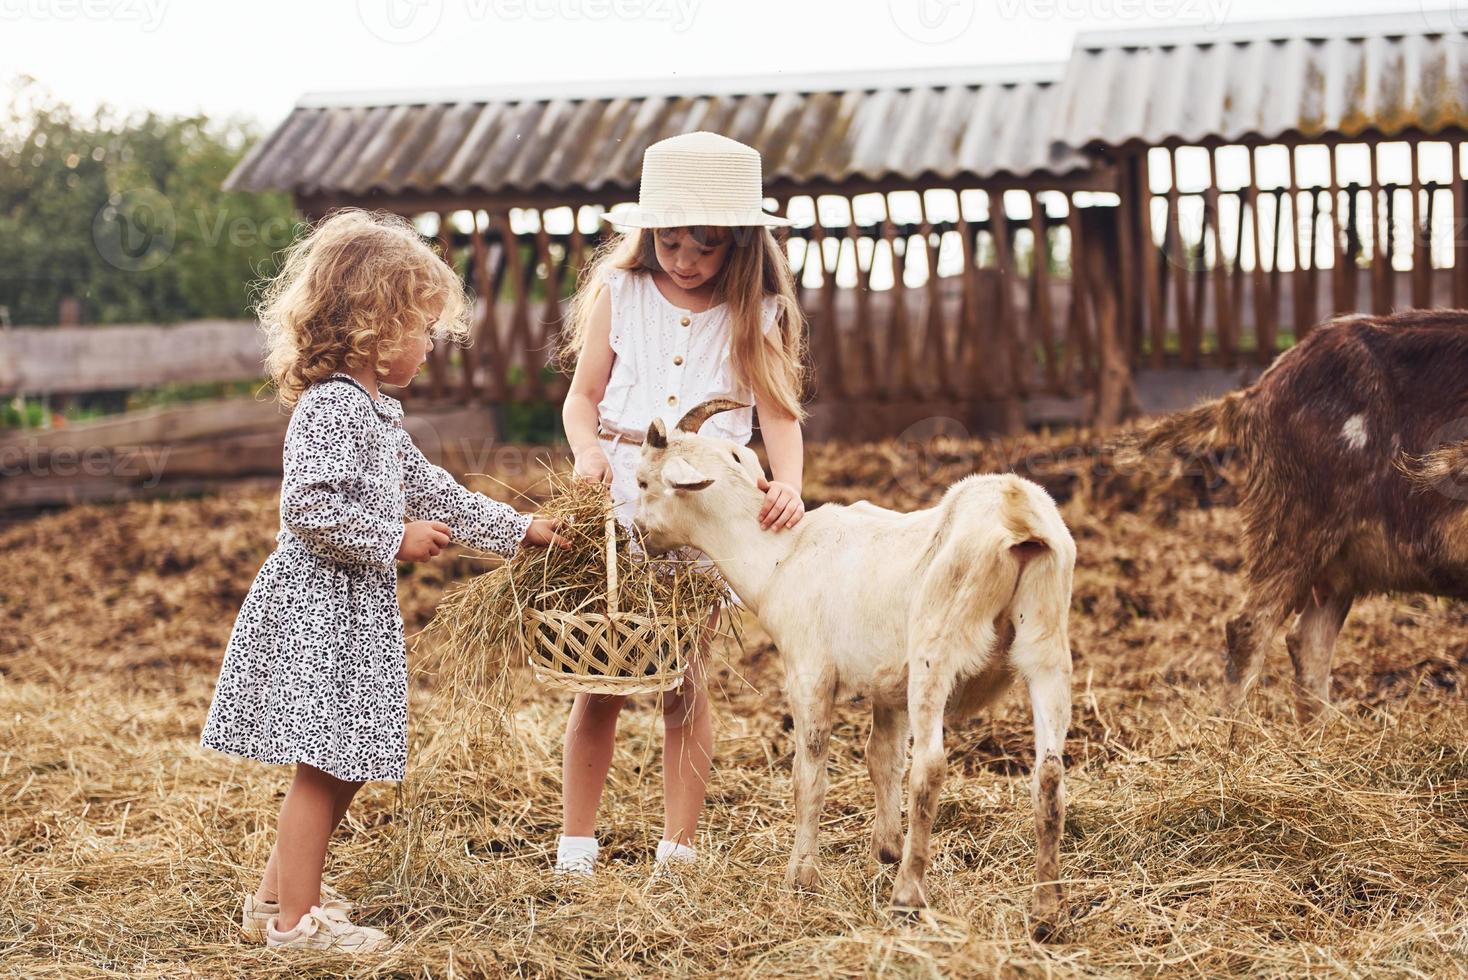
<point x="694" y="301"/>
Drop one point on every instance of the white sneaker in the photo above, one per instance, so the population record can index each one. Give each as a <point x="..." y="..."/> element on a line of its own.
<point x="576" y="857"/>
<point x="581" y="866"/>
<point x="326" y="928"/>
<point x="256" y="914"/>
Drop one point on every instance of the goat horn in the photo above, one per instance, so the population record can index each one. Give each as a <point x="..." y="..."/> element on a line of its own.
<point x="696" y="416"/>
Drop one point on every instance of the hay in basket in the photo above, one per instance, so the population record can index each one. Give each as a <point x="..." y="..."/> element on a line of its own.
<point x="582" y="623"/>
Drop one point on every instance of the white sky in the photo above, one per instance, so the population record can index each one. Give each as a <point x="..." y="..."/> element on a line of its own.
<point x="256" y="58"/>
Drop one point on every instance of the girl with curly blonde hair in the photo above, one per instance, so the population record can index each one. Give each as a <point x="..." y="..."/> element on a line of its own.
<point x="315" y="673"/>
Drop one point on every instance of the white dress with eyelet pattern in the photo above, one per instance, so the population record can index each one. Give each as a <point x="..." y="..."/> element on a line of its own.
<point x="315" y="670"/>
<point x="667" y="360"/>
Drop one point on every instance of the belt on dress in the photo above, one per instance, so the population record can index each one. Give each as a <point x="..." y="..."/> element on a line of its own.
<point x="618" y="434"/>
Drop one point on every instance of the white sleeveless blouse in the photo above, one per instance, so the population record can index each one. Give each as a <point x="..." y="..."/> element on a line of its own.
<point x="666" y="360"/>
<point x="669" y="359"/>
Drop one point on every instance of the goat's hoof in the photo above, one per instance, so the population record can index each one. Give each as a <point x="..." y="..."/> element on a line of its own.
<point x="1045" y="930"/>
<point x="1046" y="918"/>
<point x="887" y="851"/>
<point x="803" y="876"/>
<point x="908" y="897"/>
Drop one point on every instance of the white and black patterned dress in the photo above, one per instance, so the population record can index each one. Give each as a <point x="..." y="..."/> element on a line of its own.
<point x="315" y="670"/>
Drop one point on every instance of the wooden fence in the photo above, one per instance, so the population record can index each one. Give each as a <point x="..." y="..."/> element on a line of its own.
<point x="1017" y="317"/>
<point x="1259" y="265"/>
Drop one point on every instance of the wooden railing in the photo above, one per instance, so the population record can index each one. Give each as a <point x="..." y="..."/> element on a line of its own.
<point x="1257" y="266"/>
<point x="1015" y="319"/>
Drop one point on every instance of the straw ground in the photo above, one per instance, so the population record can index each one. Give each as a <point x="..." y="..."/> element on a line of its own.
<point x="125" y="848"/>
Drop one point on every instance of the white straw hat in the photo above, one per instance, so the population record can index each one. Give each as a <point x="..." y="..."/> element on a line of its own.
<point x="698" y="179"/>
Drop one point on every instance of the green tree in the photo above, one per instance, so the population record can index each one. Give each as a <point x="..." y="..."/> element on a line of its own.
<point x="126" y="214"/>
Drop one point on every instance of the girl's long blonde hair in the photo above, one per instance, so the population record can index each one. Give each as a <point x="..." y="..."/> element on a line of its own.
<point x="772" y="366"/>
<point x="347" y="296"/>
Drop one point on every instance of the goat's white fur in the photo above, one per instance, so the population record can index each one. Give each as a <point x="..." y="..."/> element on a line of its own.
<point x="929" y="614"/>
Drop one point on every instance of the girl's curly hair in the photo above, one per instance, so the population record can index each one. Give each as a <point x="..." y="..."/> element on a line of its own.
<point x="347" y="296"/>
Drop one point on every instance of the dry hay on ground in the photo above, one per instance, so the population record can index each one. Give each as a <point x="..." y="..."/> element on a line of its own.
<point x="124" y="847"/>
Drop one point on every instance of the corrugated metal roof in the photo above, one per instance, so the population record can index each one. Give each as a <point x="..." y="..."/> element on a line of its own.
<point x="1346" y="76"/>
<point x="812" y="130"/>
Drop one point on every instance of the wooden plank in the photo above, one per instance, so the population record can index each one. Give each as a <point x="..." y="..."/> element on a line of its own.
<point x="517" y="338"/>
<point x="1343" y="226"/>
<point x="1224" y="329"/>
<point x="1129" y="292"/>
<point x="1264" y="310"/>
<point x="65" y="360"/>
<point x="1458" y="221"/>
<point x="1421" y="256"/>
<point x="1311" y="303"/>
<point x="484" y="355"/>
<point x="190" y="420"/>
<point x="1300" y="273"/>
<point x="828" y="361"/>
<point x="866" y="381"/>
<point x="1040" y="313"/>
<point x="935" y="335"/>
<point x="1380" y="242"/>
<point x="1149" y="257"/>
<point x="1177" y="255"/>
<point x="899" y="353"/>
<point x="1078" y="341"/>
<point x="974" y="380"/>
<point x="1008" y="323"/>
<point x="438" y="357"/>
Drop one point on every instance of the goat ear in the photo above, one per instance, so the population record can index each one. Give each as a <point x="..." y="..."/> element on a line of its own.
<point x="657" y="435"/>
<point x="683" y="475"/>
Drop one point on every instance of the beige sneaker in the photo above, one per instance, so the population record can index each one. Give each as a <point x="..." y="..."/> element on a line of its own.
<point x="256" y="914"/>
<point x="326" y="928"/>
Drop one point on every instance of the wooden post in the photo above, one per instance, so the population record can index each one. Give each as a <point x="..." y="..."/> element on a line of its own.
<point x="899" y="353"/>
<point x="1224" y="329"/>
<point x="485" y="349"/>
<point x="1147" y="255"/>
<point x="1009" y="323"/>
<point x="1177" y="256"/>
<point x="517" y="339"/>
<point x="1380" y="243"/>
<point x="438" y="357"/>
<point x="1460" y="228"/>
<point x="1301" y="278"/>
<point x="1421" y="255"/>
<point x="1078" y="347"/>
<point x="866" y="382"/>
<point x="966" y="346"/>
<point x="1264" y="307"/>
<point x="1040" y="313"/>
<point x="1115" y="393"/>
<point x="935" y="343"/>
<point x="826" y="339"/>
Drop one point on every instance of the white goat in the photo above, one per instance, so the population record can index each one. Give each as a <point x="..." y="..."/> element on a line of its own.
<point x="928" y="614"/>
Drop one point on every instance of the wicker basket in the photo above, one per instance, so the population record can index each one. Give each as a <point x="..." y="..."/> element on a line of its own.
<point x="604" y="653"/>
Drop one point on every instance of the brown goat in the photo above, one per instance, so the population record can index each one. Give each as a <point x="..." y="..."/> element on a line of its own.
<point x="1353" y="439"/>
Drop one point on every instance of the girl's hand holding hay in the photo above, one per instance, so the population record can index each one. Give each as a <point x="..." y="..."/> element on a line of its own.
<point x="423" y="540"/>
<point x="542" y="532"/>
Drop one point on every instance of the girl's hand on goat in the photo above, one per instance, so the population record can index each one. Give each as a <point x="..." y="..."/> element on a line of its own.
<point x="593" y="467"/>
<point x="542" y="533"/>
<point x="782" y="508"/>
<point x="423" y="540"/>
